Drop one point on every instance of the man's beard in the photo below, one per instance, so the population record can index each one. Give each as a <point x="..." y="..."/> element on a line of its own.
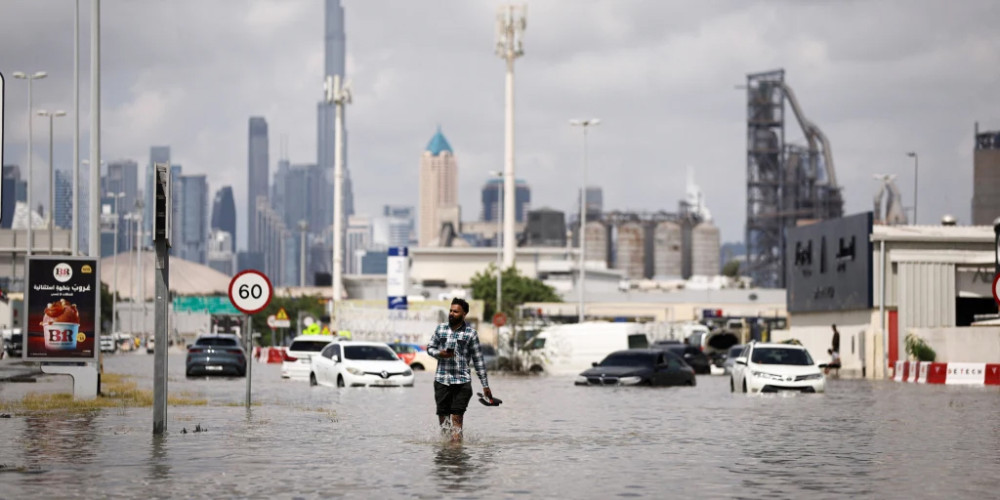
<point x="454" y="322"/>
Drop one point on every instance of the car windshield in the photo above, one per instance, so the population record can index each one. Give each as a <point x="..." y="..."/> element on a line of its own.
<point x="780" y="356"/>
<point x="488" y="350"/>
<point x="628" y="359"/>
<point x="369" y="352"/>
<point x="308" y="345"/>
<point x="217" y="341"/>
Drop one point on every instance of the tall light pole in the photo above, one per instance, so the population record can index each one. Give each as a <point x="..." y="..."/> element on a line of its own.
<point x="38" y="75"/>
<point x="339" y="93"/>
<point x="585" y="124"/>
<point x="95" y="128"/>
<point x="114" y="260"/>
<point x="913" y="155"/>
<point x="303" y="225"/>
<point x="141" y="279"/>
<point x="496" y="214"/>
<point x="511" y="21"/>
<point x="52" y="176"/>
<point x="75" y="217"/>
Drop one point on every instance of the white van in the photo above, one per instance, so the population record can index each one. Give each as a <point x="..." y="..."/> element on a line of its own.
<point x="572" y="348"/>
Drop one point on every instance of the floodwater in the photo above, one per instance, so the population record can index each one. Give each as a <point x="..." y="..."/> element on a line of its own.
<point x="549" y="439"/>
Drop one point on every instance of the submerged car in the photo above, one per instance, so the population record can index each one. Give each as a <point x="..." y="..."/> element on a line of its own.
<point x="296" y="361"/>
<point x="776" y="367"/>
<point x="216" y="354"/>
<point x="734" y="352"/>
<point x="691" y="355"/>
<point x="414" y="355"/>
<point x="359" y="364"/>
<point x="639" y="367"/>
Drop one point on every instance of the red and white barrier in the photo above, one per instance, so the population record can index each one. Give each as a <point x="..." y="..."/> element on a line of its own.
<point x="947" y="373"/>
<point x="269" y="354"/>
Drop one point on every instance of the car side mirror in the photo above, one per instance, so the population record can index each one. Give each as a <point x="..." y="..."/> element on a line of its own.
<point x="741" y="361"/>
<point x="594" y="364"/>
<point x="188" y="346"/>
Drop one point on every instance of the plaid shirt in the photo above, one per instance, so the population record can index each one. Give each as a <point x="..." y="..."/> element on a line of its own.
<point x="455" y="370"/>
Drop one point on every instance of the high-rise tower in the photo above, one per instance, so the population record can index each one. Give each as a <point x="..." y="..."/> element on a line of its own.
<point x="257" y="175"/>
<point x="438" y="191"/>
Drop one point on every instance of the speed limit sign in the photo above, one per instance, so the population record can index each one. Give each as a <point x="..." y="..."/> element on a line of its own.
<point x="250" y="291"/>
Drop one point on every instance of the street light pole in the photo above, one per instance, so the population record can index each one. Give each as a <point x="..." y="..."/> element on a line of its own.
<point x="913" y="155"/>
<point x="511" y="22"/>
<point x="38" y="75"/>
<point x="338" y="92"/>
<point x="497" y="213"/>
<point x="52" y="176"/>
<point x="586" y="124"/>
<point x="303" y="225"/>
<point x="75" y="213"/>
<point x="114" y="261"/>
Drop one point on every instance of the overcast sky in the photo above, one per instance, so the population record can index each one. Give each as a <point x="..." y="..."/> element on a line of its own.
<point x="879" y="77"/>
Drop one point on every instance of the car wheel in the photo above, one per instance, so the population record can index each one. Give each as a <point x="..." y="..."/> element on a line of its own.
<point x="340" y="381"/>
<point x="536" y="369"/>
<point x="744" y="385"/>
<point x="312" y="379"/>
<point x="417" y="367"/>
<point x="732" y="385"/>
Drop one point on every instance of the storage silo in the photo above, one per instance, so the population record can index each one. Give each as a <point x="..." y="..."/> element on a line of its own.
<point x="667" y="251"/>
<point x="630" y="254"/>
<point x="596" y="242"/>
<point x="705" y="250"/>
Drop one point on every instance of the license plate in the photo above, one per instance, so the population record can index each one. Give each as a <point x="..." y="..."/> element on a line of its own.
<point x="381" y="382"/>
<point x="214" y="368"/>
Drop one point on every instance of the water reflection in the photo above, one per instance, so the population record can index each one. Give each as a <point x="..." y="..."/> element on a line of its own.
<point x="159" y="465"/>
<point x="60" y="438"/>
<point x="455" y="470"/>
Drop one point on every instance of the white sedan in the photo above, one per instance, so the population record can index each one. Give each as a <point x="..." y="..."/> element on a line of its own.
<point x="297" y="361"/>
<point x="776" y="367"/>
<point x="359" y="364"/>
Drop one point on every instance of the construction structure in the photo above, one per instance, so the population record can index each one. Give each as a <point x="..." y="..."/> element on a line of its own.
<point x="893" y="215"/>
<point x="787" y="184"/>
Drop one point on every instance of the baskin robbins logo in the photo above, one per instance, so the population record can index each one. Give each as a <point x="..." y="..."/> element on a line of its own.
<point x="62" y="272"/>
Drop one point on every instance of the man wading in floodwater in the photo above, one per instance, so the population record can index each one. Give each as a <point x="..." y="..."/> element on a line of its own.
<point x="454" y="344"/>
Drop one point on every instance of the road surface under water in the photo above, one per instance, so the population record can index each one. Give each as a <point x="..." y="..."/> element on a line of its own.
<point x="549" y="439"/>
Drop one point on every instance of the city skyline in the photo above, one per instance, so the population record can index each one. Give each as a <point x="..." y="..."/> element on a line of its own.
<point x="666" y="99"/>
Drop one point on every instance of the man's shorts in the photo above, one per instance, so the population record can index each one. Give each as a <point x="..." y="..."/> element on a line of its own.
<point x="452" y="399"/>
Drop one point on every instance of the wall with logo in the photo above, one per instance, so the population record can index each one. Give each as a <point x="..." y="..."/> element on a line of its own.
<point x="829" y="265"/>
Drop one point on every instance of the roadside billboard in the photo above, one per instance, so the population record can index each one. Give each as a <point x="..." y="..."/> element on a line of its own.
<point x="397" y="276"/>
<point x="829" y="265"/>
<point x="62" y="308"/>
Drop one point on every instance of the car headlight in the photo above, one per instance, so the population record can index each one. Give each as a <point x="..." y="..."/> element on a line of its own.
<point x="408" y="372"/>
<point x="581" y="380"/>
<point x="770" y="376"/>
<point x="629" y="380"/>
<point x="811" y="376"/>
<point x="354" y="371"/>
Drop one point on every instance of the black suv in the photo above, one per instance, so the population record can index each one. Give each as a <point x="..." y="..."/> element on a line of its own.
<point x="690" y="354"/>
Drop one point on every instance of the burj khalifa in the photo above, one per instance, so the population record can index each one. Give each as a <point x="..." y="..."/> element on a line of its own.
<point x="335" y="62"/>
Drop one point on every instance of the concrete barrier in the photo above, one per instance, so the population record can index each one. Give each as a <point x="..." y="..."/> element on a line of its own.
<point x="947" y="373"/>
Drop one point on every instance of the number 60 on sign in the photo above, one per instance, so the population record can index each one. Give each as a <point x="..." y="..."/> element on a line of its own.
<point x="250" y="291"/>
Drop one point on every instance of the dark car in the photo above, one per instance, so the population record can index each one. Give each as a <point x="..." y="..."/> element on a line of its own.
<point x="218" y="354"/>
<point x="690" y="354"/>
<point x="13" y="343"/>
<point x="490" y="358"/>
<point x="639" y="367"/>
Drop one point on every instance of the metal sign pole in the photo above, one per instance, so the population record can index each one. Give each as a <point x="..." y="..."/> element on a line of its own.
<point x="161" y="308"/>
<point x="160" y="338"/>
<point x="249" y="342"/>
